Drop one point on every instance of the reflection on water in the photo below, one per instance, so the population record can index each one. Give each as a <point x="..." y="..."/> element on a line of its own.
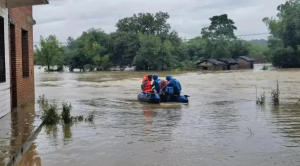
<point x="67" y="132"/>
<point x="52" y="132"/>
<point x="213" y="129"/>
<point x="15" y="130"/>
<point x="287" y="122"/>
<point x="22" y="124"/>
<point x="30" y="158"/>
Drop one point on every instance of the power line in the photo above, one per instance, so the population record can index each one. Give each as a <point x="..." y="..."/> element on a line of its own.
<point x="253" y="34"/>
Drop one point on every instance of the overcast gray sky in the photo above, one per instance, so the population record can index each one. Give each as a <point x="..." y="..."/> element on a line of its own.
<point x="66" y="18"/>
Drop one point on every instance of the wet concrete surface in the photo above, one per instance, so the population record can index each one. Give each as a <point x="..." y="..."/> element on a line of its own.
<point x="222" y="125"/>
<point x="15" y="129"/>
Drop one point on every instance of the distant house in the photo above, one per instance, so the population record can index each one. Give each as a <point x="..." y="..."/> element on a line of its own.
<point x="231" y="64"/>
<point x="245" y="62"/>
<point x="211" y="64"/>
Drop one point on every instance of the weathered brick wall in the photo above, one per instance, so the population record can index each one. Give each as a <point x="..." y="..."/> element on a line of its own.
<point x="234" y="67"/>
<point x="22" y="87"/>
<point x="242" y="64"/>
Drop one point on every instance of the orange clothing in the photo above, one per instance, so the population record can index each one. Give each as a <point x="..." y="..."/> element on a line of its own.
<point x="148" y="87"/>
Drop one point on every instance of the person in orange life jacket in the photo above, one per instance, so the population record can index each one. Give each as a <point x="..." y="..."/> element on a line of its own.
<point x="146" y="84"/>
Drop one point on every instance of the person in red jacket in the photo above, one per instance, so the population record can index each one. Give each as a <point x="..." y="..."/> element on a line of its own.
<point x="163" y="83"/>
<point x="146" y="84"/>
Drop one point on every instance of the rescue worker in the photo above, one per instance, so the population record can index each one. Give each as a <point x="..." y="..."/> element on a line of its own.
<point x="156" y="83"/>
<point x="146" y="84"/>
<point x="175" y="84"/>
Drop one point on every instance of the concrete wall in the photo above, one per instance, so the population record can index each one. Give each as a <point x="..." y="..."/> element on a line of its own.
<point x="243" y="64"/>
<point x="5" y="101"/>
<point x="22" y="86"/>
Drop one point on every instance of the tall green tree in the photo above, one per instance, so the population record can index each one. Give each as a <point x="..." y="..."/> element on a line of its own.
<point x="49" y="53"/>
<point x="146" y="41"/>
<point x="196" y="48"/>
<point x="154" y="54"/>
<point x="259" y="51"/>
<point x="221" y="27"/>
<point x="239" y="48"/>
<point x="123" y="47"/>
<point x="286" y="27"/>
<point x="218" y="35"/>
<point x="145" y="23"/>
<point x="285" y="35"/>
<point x="89" y="51"/>
<point x="176" y="42"/>
<point x="155" y="28"/>
<point x="218" y="48"/>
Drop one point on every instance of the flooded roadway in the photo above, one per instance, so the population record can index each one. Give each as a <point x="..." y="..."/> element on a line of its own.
<point x="220" y="126"/>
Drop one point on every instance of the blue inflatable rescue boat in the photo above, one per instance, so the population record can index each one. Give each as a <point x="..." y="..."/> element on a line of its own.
<point x="156" y="98"/>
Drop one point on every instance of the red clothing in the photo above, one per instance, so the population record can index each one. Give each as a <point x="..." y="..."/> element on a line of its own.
<point x="161" y="85"/>
<point x="147" y="87"/>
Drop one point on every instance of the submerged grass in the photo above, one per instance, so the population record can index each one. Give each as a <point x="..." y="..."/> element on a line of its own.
<point x="251" y="132"/>
<point x="275" y="94"/>
<point x="260" y="100"/>
<point x="51" y="115"/>
<point x="44" y="103"/>
<point x="77" y="118"/>
<point x="265" y="67"/>
<point x="90" y="117"/>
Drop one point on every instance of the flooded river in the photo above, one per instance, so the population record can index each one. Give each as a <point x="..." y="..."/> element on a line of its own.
<point x="222" y="125"/>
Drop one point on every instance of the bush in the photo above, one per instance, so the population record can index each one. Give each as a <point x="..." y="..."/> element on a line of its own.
<point x="50" y="115"/>
<point x="66" y="112"/>
<point x="285" y="58"/>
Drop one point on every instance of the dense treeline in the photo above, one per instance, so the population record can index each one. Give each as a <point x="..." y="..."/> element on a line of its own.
<point x="285" y="35"/>
<point x="147" y="42"/>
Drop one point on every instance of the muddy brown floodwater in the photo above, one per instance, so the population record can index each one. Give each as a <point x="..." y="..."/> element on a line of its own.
<point x="213" y="129"/>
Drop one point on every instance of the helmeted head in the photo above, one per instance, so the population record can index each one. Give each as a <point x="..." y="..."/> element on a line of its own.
<point x="155" y="76"/>
<point x="169" y="77"/>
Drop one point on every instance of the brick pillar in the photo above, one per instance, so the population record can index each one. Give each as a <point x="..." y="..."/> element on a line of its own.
<point x="22" y="60"/>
